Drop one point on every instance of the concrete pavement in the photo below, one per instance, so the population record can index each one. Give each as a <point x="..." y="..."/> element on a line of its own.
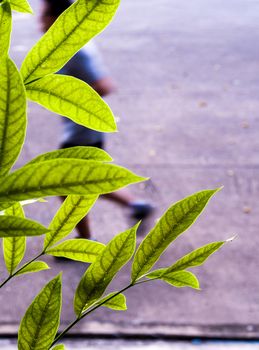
<point x="145" y="345"/>
<point x="187" y="105"/>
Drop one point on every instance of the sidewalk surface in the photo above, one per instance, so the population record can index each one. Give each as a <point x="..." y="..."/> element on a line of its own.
<point x="187" y="105"/>
<point x="147" y="345"/>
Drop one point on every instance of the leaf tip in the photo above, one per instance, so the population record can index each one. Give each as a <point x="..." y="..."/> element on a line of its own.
<point x="29" y="9"/>
<point x="58" y="278"/>
<point x="231" y="239"/>
<point x="136" y="178"/>
<point x="141" y="178"/>
<point x="136" y="226"/>
<point x="42" y="200"/>
<point x="109" y="159"/>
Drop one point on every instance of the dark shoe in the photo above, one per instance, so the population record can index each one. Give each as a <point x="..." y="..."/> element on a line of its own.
<point x="141" y="210"/>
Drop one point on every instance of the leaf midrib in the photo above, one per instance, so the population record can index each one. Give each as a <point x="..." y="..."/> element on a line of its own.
<point x="157" y="246"/>
<point x="66" y="100"/>
<point x="7" y="109"/>
<point x="32" y="189"/>
<point x="107" y="271"/>
<point x="63" y="223"/>
<point x="13" y="255"/>
<point x="189" y="261"/>
<point x="61" y="42"/>
<point x="38" y="328"/>
<point x="73" y="251"/>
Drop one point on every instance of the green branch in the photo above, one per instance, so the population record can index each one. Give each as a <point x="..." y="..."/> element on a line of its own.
<point x="20" y="269"/>
<point x="61" y="335"/>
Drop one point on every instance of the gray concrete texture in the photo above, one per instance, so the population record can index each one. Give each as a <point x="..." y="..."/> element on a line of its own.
<point x="6" y="344"/>
<point x="187" y="109"/>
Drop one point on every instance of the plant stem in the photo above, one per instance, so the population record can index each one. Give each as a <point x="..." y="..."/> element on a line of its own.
<point x="20" y="269"/>
<point x="145" y="281"/>
<point x="5" y="281"/>
<point x="61" y="335"/>
<point x="105" y="301"/>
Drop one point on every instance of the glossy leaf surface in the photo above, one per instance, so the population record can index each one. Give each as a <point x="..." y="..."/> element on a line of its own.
<point x="100" y="273"/>
<point x="72" y="30"/>
<point x="77" y="152"/>
<point x="13" y="226"/>
<point x="14" y="247"/>
<point x="5" y="205"/>
<point x="63" y="177"/>
<point x="5" y="28"/>
<point x="117" y="302"/>
<point x="35" y="266"/>
<point x="41" y="320"/>
<point x="177" y="219"/>
<point x="12" y="114"/>
<point x="195" y="258"/>
<point x="71" y="212"/>
<point x="72" y="98"/>
<point x="21" y="6"/>
<point x="59" y="347"/>
<point x="181" y="279"/>
<point x="78" y="249"/>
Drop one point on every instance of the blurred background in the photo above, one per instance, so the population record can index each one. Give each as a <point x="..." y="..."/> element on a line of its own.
<point x="187" y="111"/>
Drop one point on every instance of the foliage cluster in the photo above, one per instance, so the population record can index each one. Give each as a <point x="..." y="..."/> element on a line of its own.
<point x="80" y="173"/>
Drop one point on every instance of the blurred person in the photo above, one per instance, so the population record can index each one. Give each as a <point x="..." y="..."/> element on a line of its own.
<point x="87" y="65"/>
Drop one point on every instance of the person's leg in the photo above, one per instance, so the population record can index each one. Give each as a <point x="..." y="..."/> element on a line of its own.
<point x="122" y="197"/>
<point x="139" y="209"/>
<point x="83" y="228"/>
<point x="104" y="86"/>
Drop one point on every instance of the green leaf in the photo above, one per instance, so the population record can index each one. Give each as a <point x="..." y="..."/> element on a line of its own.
<point x="181" y="279"/>
<point x="78" y="152"/>
<point x="196" y="258"/>
<point x="100" y="273"/>
<point x="5" y="205"/>
<point x="14" y="247"/>
<point x="156" y="274"/>
<point x="32" y="201"/>
<point x="13" y="226"/>
<point x="177" y="219"/>
<point x="41" y="320"/>
<point x="72" y="98"/>
<point x="117" y="302"/>
<point x="72" y="211"/>
<point x="63" y="177"/>
<point x="15" y="210"/>
<point x="71" y="31"/>
<point x="59" y="347"/>
<point x="78" y="249"/>
<point x="34" y="266"/>
<point x="21" y="6"/>
<point x="12" y="114"/>
<point x="5" y="28"/>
